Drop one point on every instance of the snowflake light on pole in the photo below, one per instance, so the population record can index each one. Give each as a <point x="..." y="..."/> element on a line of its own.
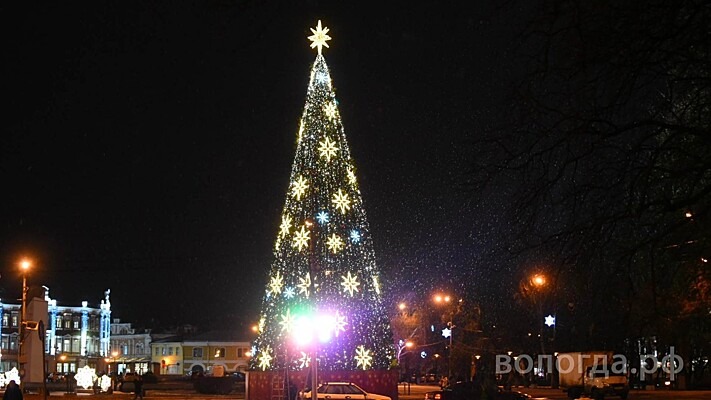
<point x="85" y="377"/>
<point x="324" y="248"/>
<point x="550" y="320"/>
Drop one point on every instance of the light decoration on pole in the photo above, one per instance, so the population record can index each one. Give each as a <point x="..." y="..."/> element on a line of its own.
<point x="550" y="320"/>
<point x="323" y="249"/>
<point x="85" y="377"/>
<point x="446" y="333"/>
<point x="105" y="383"/>
<point x="11" y="375"/>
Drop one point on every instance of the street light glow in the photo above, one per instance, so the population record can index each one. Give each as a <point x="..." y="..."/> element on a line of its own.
<point x="538" y="280"/>
<point x="25" y="264"/>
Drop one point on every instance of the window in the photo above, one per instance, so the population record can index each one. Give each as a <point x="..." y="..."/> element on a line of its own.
<point x="177" y="351"/>
<point x="76" y="323"/>
<point x="170" y="351"/>
<point x="197" y="352"/>
<point x="240" y="353"/>
<point x="4" y="320"/>
<point x="58" y="321"/>
<point x="14" y="320"/>
<point x="220" y="352"/>
<point x="163" y="351"/>
<point x="157" y="351"/>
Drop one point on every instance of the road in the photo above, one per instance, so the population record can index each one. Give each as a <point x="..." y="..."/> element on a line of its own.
<point x="417" y="392"/>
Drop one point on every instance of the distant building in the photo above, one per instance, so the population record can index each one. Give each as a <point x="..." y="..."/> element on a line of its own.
<point x="167" y="356"/>
<point x="203" y="352"/>
<point x="130" y="350"/>
<point x="199" y="353"/>
<point x="74" y="335"/>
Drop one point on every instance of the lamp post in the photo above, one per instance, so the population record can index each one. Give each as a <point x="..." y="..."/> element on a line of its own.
<point x="538" y="283"/>
<point x="25" y="265"/>
<point x="448" y="332"/>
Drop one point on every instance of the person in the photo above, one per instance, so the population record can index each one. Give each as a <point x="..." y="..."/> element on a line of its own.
<point x="138" y="385"/>
<point x="12" y="391"/>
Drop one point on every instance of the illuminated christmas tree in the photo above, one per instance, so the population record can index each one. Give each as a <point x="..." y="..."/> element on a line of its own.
<point x="324" y="281"/>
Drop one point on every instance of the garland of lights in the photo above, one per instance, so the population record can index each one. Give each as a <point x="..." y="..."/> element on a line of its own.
<point x="324" y="272"/>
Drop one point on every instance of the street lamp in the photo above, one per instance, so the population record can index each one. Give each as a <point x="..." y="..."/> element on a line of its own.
<point x="25" y="265"/>
<point x="447" y="333"/>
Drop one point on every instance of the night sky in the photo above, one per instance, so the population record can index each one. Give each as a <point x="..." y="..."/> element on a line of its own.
<point x="146" y="146"/>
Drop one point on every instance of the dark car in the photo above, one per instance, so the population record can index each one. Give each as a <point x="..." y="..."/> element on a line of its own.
<point x="456" y="391"/>
<point x="472" y="391"/>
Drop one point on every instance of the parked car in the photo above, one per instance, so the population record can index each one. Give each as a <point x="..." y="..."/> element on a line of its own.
<point x="456" y="391"/>
<point x="472" y="391"/>
<point x="341" y="391"/>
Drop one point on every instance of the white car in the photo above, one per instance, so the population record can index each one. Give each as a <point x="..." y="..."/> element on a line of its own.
<point x="341" y="391"/>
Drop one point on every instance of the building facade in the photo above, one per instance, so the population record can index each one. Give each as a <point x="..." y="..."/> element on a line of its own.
<point x="167" y="356"/>
<point x="203" y="352"/>
<point x="130" y="349"/>
<point x="75" y="336"/>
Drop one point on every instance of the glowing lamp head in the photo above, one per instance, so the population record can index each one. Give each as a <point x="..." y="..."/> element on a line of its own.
<point x="302" y="332"/>
<point x="25" y="264"/>
<point x="114" y="353"/>
<point x="409" y="344"/>
<point x="539" y="280"/>
<point x="402" y="306"/>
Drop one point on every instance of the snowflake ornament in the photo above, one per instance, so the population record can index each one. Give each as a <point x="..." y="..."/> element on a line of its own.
<point x="287" y="322"/>
<point x="363" y="357"/>
<point x="335" y="243"/>
<point x="299" y="187"/>
<point x="265" y="359"/>
<point x="350" y="283"/>
<point x="323" y="217"/>
<point x="276" y="283"/>
<point x="339" y="324"/>
<point x="301" y="238"/>
<point x="341" y="201"/>
<point x="355" y="236"/>
<point x="327" y="149"/>
<point x="351" y="177"/>
<point x="304" y="360"/>
<point x="304" y="285"/>
<point x="285" y="226"/>
<point x="330" y="110"/>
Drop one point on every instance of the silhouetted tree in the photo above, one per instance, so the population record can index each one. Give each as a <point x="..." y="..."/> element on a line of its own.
<point x="604" y="162"/>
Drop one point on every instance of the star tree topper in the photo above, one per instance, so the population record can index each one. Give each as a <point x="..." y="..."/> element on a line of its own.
<point x="319" y="37"/>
